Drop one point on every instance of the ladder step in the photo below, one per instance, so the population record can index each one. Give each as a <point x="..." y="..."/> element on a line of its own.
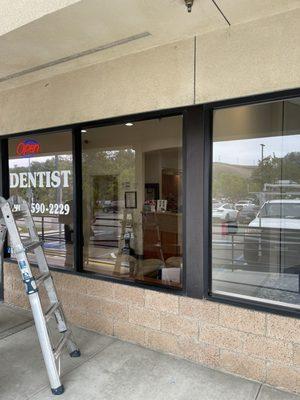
<point x="31" y="244"/>
<point x="41" y="278"/>
<point x="19" y="215"/>
<point x="61" y="343"/>
<point x="51" y="310"/>
<point x="28" y="245"/>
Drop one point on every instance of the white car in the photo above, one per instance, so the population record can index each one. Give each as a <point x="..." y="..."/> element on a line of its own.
<point x="225" y="212"/>
<point x="278" y="214"/>
<point x="276" y="228"/>
<point x="242" y="203"/>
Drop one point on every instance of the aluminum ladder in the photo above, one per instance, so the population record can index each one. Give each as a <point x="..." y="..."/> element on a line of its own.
<point x="13" y="209"/>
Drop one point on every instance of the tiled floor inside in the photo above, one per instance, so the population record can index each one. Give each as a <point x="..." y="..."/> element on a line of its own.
<point x="111" y="369"/>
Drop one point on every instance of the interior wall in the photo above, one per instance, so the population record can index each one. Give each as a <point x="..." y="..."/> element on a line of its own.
<point x="253" y="121"/>
<point x="153" y="134"/>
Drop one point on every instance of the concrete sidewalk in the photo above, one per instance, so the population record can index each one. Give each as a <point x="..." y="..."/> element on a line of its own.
<point x="111" y="369"/>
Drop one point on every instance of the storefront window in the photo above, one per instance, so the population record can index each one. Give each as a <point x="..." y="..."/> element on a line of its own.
<point x="40" y="171"/>
<point x="256" y="202"/>
<point x="132" y="201"/>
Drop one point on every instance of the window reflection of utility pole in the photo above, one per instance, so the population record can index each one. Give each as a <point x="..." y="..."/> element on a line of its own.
<point x="262" y="176"/>
<point x="58" y="195"/>
<point x="262" y="164"/>
<point x="262" y="153"/>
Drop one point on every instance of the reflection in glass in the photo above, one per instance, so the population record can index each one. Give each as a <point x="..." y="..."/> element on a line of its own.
<point x="256" y="202"/>
<point x="41" y="172"/>
<point x="132" y="201"/>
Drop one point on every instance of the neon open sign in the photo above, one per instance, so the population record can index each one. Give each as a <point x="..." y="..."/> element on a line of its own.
<point x="27" y="147"/>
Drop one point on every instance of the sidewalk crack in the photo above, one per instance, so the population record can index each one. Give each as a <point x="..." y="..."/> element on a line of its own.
<point x="258" y="392"/>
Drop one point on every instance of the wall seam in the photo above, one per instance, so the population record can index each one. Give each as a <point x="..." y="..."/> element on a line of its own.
<point x="195" y="64"/>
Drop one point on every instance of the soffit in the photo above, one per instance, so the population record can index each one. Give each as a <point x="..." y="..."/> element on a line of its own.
<point x="93" y="31"/>
<point x="16" y="13"/>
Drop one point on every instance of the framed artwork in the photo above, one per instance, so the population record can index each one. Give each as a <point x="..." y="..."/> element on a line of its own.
<point x="131" y="199"/>
<point x="151" y="191"/>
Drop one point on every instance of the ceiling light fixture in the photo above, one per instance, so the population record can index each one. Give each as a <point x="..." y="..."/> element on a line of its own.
<point x="83" y="131"/>
<point x="189" y="4"/>
<point x="129" y="124"/>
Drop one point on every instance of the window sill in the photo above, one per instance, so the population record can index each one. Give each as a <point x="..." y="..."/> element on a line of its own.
<point x="107" y="278"/>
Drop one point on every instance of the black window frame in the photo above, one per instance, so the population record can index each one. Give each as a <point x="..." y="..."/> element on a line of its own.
<point x="209" y="109"/>
<point x="77" y="157"/>
<point x="75" y="130"/>
<point x="4" y="192"/>
<point x="197" y="199"/>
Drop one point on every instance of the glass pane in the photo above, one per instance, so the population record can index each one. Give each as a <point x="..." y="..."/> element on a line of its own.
<point x="132" y="201"/>
<point x="256" y="167"/>
<point x="41" y="172"/>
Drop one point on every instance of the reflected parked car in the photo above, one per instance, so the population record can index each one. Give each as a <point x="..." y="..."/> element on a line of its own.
<point x="275" y="234"/>
<point x="247" y="214"/>
<point x="242" y="203"/>
<point x="225" y="212"/>
<point x="216" y="204"/>
<point x="112" y="206"/>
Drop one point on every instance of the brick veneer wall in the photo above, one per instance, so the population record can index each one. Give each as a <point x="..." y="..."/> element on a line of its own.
<point x="255" y="345"/>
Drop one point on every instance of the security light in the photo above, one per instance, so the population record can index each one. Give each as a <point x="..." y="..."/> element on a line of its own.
<point x="189" y="4"/>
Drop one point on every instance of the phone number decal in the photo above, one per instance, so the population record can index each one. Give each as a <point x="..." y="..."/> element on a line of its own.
<point x="52" y="208"/>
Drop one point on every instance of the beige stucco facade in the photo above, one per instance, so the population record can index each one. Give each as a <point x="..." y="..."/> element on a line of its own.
<point x="251" y="58"/>
<point x="256" y="57"/>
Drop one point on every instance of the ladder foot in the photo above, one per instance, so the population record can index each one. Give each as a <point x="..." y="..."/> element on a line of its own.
<point x="58" y="390"/>
<point x="75" y="353"/>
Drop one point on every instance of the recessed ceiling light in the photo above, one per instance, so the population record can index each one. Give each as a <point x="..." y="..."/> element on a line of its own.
<point x="83" y="131"/>
<point x="129" y="124"/>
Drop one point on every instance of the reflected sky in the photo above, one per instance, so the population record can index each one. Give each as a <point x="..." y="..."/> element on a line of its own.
<point x="248" y="151"/>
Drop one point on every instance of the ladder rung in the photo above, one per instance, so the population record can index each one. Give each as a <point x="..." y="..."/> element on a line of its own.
<point x="19" y="214"/>
<point x="31" y="244"/>
<point x="61" y="343"/>
<point x="40" y="279"/>
<point x="51" y="310"/>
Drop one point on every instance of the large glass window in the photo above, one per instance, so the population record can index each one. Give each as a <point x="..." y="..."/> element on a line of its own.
<point x="132" y="200"/>
<point x="40" y="171"/>
<point x="256" y="202"/>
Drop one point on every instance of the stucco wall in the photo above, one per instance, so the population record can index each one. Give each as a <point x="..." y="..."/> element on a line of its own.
<point x="252" y="58"/>
<point x="18" y="13"/>
<point x="256" y="57"/>
<point x="159" y="78"/>
<point x="256" y="345"/>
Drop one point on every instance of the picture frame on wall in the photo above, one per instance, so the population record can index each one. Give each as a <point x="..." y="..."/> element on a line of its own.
<point x="151" y="191"/>
<point x="131" y="199"/>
